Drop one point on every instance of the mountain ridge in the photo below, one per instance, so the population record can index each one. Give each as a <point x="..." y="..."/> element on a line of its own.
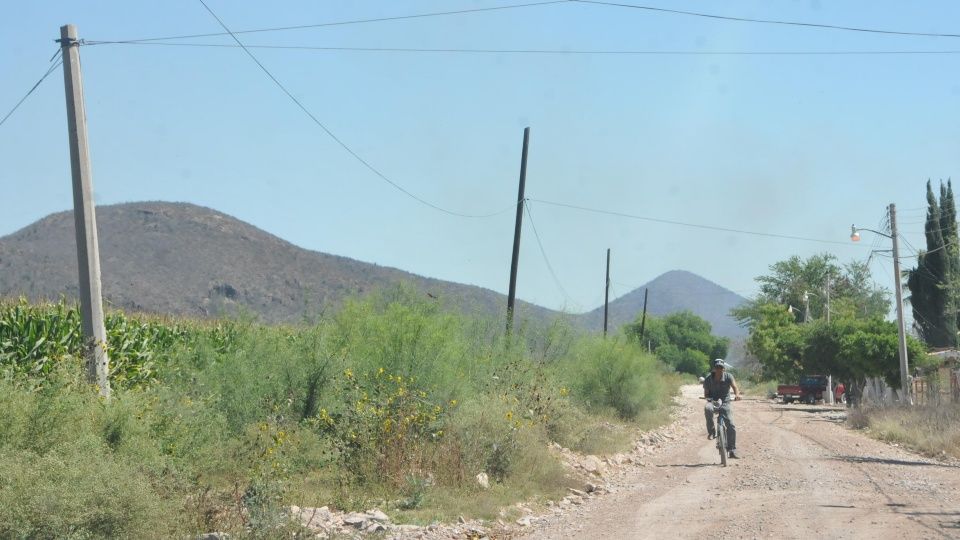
<point x="185" y="259"/>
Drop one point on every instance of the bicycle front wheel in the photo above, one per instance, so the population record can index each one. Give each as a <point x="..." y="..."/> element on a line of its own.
<point x="722" y="441"/>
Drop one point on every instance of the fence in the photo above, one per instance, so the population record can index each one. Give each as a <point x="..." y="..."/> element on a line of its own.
<point x="942" y="386"/>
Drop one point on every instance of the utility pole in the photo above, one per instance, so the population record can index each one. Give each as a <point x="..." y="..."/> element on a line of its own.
<point x="643" y="319"/>
<point x="806" y="307"/>
<point x="512" y="295"/>
<point x="606" y="296"/>
<point x="828" y="299"/>
<point x="84" y="214"/>
<point x="901" y="328"/>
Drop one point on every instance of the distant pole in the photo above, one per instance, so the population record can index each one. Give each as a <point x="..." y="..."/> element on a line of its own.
<point x="901" y="327"/>
<point x="85" y="218"/>
<point x="643" y="319"/>
<point x="606" y="296"/>
<point x="828" y="299"/>
<point x="512" y="295"/>
<point x="806" y="307"/>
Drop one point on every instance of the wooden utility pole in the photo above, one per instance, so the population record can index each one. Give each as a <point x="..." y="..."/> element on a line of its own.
<point x="512" y="295"/>
<point x="643" y="319"/>
<point x="606" y="296"/>
<point x="901" y="327"/>
<point x="84" y="214"/>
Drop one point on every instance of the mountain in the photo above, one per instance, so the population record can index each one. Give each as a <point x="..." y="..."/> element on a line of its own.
<point x="183" y="259"/>
<point x="676" y="290"/>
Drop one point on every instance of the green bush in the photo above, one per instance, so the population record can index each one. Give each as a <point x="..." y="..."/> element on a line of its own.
<point x="219" y="425"/>
<point x="616" y="374"/>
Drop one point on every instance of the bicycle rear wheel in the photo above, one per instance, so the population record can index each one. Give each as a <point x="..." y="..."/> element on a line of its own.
<point x="722" y="440"/>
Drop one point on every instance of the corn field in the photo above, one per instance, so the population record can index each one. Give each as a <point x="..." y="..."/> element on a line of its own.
<point x="34" y="338"/>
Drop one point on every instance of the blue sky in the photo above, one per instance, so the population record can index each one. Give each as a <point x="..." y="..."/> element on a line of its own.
<point x="795" y="145"/>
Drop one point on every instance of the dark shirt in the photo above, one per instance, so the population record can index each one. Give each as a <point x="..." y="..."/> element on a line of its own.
<point x="718" y="389"/>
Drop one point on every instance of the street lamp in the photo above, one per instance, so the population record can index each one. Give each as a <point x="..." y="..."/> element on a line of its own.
<point x="898" y="287"/>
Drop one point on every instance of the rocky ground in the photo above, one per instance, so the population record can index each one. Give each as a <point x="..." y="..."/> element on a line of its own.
<point x="802" y="473"/>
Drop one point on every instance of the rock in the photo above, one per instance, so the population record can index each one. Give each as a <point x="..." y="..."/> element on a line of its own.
<point x="592" y="465"/>
<point x="214" y="536"/>
<point x="590" y="488"/>
<point x="577" y="492"/>
<point x="377" y="515"/>
<point x="483" y="480"/>
<point x="476" y="531"/>
<point x="525" y="521"/>
<point x="374" y="527"/>
<point x="461" y="520"/>
<point x="355" y="519"/>
<point x="313" y="518"/>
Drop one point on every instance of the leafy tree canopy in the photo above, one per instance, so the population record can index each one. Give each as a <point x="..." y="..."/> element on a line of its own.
<point x="682" y="340"/>
<point x="851" y="293"/>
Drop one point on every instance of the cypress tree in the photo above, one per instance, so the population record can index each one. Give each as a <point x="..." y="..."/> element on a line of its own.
<point x="948" y="228"/>
<point x="930" y="282"/>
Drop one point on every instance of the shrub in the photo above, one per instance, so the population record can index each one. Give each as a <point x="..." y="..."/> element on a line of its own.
<point x="616" y="374"/>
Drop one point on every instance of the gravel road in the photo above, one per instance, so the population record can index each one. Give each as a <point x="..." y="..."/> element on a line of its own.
<point x="802" y="475"/>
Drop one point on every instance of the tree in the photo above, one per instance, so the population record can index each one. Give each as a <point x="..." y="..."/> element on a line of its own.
<point x="857" y="343"/>
<point x="775" y="341"/>
<point x="934" y="281"/>
<point x="681" y="340"/>
<point x="852" y="291"/>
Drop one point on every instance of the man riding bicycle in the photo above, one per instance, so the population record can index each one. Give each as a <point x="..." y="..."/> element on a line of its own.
<point x="717" y="385"/>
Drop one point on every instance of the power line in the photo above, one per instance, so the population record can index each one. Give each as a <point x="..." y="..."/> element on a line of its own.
<point x="685" y="224"/>
<point x="342" y="144"/>
<point x="342" y="23"/>
<point x="33" y="88"/>
<point x="546" y="259"/>
<point x="560" y="52"/>
<point x="767" y="21"/>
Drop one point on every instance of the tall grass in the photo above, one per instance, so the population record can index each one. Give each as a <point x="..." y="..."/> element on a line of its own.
<point x="393" y="401"/>
<point x="932" y="430"/>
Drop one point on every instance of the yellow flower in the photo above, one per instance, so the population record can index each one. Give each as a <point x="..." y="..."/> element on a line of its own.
<point x="453" y="403"/>
<point x="348" y="373"/>
<point x="564" y="391"/>
<point x="380" y="371"/>
<point x="509" y="415"/>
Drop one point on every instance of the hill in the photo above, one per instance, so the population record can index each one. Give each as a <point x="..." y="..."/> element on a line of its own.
<point x="183" y="259"/>
<point x="674" y="291"/>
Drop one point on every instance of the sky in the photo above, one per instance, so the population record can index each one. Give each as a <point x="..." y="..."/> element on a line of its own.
<point x="796" y="145"/>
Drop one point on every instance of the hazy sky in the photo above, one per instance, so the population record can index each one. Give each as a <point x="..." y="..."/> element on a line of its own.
<point x="798" y="145"/>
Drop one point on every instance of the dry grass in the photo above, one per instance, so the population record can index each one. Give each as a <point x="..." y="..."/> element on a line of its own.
<point x="930" y="430"/>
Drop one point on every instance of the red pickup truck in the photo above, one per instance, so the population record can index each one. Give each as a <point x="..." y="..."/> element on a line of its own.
<point x="810" y="390"/>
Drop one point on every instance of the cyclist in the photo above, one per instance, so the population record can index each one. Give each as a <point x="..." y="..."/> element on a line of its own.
<point x="717" y="386"/>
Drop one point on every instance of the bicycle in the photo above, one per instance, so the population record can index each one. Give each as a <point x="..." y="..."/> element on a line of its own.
<point x="721" y="429"/>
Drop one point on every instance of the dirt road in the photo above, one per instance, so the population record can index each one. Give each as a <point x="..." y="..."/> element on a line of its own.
<point x="802" y="475"/>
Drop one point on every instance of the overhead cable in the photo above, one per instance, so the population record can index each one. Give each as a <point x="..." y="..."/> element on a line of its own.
<point x="340" y="142"/>
<point x="33" y="88"/>
<point x="768" y="21"/>
<point x="347" y="22"/>
<point x="546" y="259"/>
<point x="692" y="225"/>
<point x="557" y="52"/>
